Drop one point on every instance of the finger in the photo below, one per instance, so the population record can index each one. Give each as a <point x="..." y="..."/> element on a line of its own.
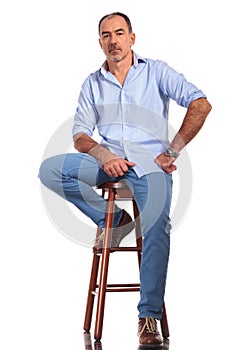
<point x="120" y="169"/>
<point x="123" y="168"/>
<point x="109" y="170"/>
<point x="129" y="163"/>
<point x="114" y="171"/>
<point x="170" y="168"/>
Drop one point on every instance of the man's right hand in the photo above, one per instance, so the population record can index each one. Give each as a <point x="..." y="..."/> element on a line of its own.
<point x="117" y="166"/>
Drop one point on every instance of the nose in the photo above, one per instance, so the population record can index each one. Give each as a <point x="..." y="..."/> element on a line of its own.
<point x="113" y="38"/>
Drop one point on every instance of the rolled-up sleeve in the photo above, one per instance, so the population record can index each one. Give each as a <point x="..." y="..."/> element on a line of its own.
<point x="85" y="115"/>
<point x="175" y="86"/>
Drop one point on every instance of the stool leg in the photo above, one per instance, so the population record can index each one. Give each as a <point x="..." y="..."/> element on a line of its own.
<point x="91" y="295"/>
<point x="164" y="323"/>
<point x="101" y="294"/>
<point x="104" y="265"/>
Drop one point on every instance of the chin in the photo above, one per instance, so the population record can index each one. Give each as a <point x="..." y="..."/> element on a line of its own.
<point x="115" y="58"/>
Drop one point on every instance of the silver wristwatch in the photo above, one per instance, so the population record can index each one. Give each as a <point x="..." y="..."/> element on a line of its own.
<point x="171" y="153"/>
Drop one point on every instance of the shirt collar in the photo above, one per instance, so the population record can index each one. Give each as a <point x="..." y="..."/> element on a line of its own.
<point x="136" y="60"/>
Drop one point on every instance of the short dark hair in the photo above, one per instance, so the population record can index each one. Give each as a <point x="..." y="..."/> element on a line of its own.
<point x="126" y="18"/>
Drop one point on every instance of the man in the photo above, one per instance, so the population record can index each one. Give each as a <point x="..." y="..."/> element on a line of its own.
<point x="127" y="100"/>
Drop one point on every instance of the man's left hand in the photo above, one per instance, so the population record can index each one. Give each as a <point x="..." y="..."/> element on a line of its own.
<point x="165" y="162"/>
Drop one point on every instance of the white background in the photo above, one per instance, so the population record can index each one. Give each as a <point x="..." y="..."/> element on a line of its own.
<point x="48" y="48"/>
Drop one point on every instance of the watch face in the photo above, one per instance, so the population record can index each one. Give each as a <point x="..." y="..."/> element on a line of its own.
<point x="171" y="153"/>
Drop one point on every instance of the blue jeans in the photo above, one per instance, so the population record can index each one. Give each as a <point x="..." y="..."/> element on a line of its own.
<point x="73" y="177"/>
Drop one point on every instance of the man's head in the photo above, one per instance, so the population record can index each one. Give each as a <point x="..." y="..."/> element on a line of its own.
<point x="126" y="18"/>
<point x="116" y="36"/>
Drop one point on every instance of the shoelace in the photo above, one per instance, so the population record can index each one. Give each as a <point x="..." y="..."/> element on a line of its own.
<point x="100" y="238"/>
<point x="150" y="325"/>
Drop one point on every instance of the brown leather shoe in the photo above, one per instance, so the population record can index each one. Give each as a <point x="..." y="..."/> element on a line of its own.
<point x="125" y="226"/>
<point x="148" y="333"/>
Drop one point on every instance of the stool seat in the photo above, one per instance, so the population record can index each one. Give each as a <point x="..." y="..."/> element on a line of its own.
<point x="98" y="285"/>
<point x="116" y="185"/>
<point x="122" y="191"/>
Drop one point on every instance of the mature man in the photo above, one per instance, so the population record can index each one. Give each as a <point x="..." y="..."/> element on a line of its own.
<point x="127" y="100"/>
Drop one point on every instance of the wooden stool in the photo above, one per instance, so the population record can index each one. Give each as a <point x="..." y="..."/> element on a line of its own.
<point x="98" y="280"/>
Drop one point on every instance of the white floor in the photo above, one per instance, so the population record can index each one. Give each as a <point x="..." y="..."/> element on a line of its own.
<point x="44" y="296"/>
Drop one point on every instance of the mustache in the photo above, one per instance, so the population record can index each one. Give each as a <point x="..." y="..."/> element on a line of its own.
<point x="114" y="47"/>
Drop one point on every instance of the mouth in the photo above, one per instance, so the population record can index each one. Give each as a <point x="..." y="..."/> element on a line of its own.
<point x="114" y="50"/>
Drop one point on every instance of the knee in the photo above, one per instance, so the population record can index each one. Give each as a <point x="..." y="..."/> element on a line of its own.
<point x="47" y="173"/>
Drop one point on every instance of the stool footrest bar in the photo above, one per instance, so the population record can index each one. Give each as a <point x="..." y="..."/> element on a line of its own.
<point x="135" y="289"/>
<point x="125" y="249"/>
<point x="112" y="285"/>
<point x="122" y="287"/>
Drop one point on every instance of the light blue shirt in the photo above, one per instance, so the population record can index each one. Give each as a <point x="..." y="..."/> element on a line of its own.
<point x="132" y="119"/>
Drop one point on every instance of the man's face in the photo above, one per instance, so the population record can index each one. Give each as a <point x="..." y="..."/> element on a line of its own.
<point x="115" y="39"/>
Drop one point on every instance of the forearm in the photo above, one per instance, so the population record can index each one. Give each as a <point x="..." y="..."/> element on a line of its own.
<point x="85" y="144"/>
<point x="192" y="123"/>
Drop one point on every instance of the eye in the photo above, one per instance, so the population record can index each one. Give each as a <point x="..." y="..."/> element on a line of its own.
<point x="105" y="36"/>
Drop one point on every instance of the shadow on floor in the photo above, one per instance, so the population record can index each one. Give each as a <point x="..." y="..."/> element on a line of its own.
<point x="94" y="345"/>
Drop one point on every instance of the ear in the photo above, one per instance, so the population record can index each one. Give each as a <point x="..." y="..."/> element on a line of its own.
<point x="132" y="39"/>
<point x="100" y="42"/>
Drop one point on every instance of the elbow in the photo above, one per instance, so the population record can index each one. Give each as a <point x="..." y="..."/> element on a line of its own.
<point x="77" y="144"/>
<point x="207" y="107"/>
<point x="201" y="106"/>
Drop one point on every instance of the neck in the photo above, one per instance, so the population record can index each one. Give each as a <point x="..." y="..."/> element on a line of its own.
<point x="120" y="68"/>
